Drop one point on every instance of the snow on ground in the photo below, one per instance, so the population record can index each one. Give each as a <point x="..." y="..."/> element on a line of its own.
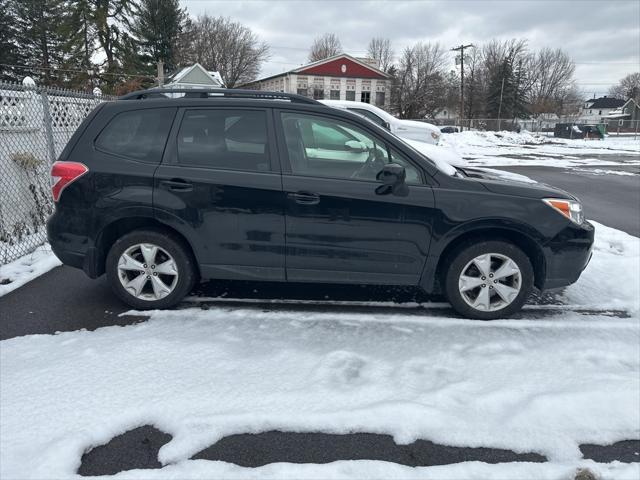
<point x="509" y="148"/>
<point x="202" y="469"/>
<point x="15" y="274"/>
<point x="542" y="383"/>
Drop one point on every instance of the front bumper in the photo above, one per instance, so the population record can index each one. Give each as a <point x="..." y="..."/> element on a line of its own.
<point x="567" y="255"/>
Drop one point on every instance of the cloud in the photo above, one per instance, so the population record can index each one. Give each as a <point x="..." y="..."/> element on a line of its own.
<point x="602" y="37"/>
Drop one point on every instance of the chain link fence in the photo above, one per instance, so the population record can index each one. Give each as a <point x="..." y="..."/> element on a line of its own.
<point x="545" y="126"/>
<point x="35" y="125"/>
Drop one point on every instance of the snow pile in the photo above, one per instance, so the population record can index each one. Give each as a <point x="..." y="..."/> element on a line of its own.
<point x="612" y="278"/>
<point x="543" y="385"/>
<point x="504" y="138"/>
<point x="25" y="269"/>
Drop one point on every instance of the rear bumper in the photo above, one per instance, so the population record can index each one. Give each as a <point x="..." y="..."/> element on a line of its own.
<point x="74" y="250"/>
<point x="567" y="255"/>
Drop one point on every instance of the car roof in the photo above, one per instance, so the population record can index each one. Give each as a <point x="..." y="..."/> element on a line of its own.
<point x="203" y="94"/>
<point x="361" y="105"/>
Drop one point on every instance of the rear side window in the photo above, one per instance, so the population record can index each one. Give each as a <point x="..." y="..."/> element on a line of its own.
<point x="137" y="134"/>
<point x="224" y="138"/>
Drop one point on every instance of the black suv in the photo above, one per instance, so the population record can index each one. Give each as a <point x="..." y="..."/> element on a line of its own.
<point x="163" y="188"/>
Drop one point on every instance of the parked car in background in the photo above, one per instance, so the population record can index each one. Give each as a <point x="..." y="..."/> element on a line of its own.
<point x="160" y="193"/>
<point x="449" y="129"/>
<point x="411" y="129"/>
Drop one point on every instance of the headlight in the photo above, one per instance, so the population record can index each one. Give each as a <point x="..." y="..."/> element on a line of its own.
<point x="435" y="136"/>
<point x="569" y="208"/>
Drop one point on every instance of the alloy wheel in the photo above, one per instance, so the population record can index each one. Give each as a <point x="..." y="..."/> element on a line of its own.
<point x="490" y="282"/>
<point x="147" y="271"/>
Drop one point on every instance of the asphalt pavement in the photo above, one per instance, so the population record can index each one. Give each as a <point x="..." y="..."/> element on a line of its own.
<point x="613" y="200"/>
<point x="65" y="300"/>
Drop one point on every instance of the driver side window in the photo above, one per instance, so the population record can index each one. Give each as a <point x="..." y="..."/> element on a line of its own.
<point x="323" y="147"/>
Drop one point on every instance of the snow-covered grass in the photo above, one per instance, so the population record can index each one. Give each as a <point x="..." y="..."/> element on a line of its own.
<point x="530" y="384"/>
<point x="509" y="148"/>
<point x="15" y="274"/>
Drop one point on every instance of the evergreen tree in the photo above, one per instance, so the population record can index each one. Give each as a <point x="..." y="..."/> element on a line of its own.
<point x="42" y="44"/>
<point x="157" y="29"/>
<point x="110" y="20"/>
<point x="506" y="99"/>
<point x="81" y="45"/>
<point x="9" y="52"/>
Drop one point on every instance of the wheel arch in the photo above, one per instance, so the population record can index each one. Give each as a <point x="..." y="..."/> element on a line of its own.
<point x="117" y="228"/>
<point x="435" y="268"/>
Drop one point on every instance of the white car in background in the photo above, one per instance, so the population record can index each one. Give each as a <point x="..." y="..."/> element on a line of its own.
<point x="406" y="129"/>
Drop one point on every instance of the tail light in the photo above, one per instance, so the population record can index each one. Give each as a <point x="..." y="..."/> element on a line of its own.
<point x="64" y="174"/>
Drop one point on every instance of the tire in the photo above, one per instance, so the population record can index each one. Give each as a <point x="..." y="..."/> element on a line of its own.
<point x="506" y="294"/>
<point x="163" y="288"/>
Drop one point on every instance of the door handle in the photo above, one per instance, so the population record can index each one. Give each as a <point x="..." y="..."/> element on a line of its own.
<point x="305" y="198"/>
<point x="177" y="185"/>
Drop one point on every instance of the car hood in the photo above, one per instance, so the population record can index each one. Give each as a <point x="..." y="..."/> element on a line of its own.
<point x="507" y="183"/>
<point x="420" y="125"/>
<point x="443" y="157"/>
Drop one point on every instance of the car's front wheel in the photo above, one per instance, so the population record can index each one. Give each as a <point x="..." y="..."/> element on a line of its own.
<point x="488" y="280"/>
<point x="150" y="269"/>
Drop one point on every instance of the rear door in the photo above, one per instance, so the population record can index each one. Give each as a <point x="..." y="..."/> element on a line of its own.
<point x="220" y="182"/>
<point x="339" y="228"/>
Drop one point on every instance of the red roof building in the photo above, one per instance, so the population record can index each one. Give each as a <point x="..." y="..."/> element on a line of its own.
<point x="341" y="77"/>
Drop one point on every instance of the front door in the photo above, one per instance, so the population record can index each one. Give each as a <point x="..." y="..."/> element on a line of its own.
<point x="338" y="228"/>
<point x="220" y="182"/>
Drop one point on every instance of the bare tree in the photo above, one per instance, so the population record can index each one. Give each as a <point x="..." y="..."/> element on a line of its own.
<point x="628" y="87"/>
<point x="421" y="86"/>
<point x="380" y="50"/>
<point x="220" y="44"/>
<point x="552" y="74"/>
<point x="476" y="83"/>
<point x="325" y="46"/>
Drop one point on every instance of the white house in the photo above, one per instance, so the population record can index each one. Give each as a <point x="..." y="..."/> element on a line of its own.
<point x="340" y="77"/>
<point x="595" y="109"/>
<point x="195" y="76"/>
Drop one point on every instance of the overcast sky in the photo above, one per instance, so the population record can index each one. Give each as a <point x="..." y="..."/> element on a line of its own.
<point x="603" y="37"/>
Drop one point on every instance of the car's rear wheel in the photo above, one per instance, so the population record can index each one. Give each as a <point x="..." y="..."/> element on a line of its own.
<point x="150" y="269"/>
<point x="488" y="280"/>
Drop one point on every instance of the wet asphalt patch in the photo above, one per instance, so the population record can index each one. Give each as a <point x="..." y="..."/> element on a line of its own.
<point x="138" y="449"/>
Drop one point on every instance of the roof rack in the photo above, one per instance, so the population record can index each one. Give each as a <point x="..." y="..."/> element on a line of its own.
<point x="159" y="92"/>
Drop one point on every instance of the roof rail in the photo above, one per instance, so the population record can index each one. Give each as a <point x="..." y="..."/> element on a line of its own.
<point x="159" y="92"/>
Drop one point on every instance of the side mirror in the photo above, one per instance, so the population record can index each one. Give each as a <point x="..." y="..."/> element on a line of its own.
<point x="393" y="178"/>
<point x="355" y="146"/>
<point x="386" y="125"/>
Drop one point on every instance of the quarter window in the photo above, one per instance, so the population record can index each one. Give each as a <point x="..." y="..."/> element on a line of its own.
<point x="225" y="139"/>
<point x="137" y="134"/>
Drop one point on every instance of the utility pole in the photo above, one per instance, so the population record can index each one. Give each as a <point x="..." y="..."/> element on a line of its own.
<point x="160" y="73"/>
<point x="500" y="107"/>
<point x="461" y="50"/>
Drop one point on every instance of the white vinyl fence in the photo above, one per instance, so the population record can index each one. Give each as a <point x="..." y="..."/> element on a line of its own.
<point x="35" y="125"/>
